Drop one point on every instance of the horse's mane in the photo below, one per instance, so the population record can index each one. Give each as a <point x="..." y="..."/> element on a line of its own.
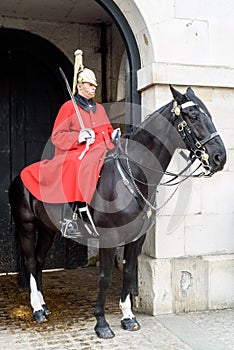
<point x="190" y="96"/>
<point x="134" y="129"/>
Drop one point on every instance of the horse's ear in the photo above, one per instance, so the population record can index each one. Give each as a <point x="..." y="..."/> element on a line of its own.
<point x="191" y="96"/>
<point x="190" y="92"/>
<point x="176" y="94"/>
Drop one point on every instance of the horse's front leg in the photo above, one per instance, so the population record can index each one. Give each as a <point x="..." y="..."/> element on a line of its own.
<point x="106" y="257"/>
<point x="131" y="253"/>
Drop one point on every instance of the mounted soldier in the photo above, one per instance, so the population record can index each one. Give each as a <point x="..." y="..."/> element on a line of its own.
<point x="124" y="204"/>
<point x="82" y="134"/>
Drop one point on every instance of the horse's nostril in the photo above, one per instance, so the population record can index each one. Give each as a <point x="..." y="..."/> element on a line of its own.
<point x="217" y="159"/>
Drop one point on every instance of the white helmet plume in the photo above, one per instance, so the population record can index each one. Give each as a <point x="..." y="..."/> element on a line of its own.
<point x="78" y="66"/>
<point x="81" y="74"/>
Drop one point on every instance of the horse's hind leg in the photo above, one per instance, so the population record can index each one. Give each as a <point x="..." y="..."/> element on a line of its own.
<point x="106" y="256"/>
<point x="44" y="243"/>
<point x="26" y="231"/>
<point x="34" y="260"/>
<point x="131" y="253"/>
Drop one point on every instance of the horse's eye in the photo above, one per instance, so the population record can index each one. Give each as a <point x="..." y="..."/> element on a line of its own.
<point x="194" y="118"/>
<point x="193" y="115"/>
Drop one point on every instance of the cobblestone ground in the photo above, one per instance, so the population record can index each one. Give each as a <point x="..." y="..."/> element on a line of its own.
<point x="71" y="296"/>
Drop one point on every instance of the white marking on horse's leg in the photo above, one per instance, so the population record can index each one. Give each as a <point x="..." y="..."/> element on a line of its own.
<point x="34" y="296"/>
<point x="42" y="301"/>
<point x="126" y="308"/>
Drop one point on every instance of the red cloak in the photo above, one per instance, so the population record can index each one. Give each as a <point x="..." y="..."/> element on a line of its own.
<point x="65" y="178"/>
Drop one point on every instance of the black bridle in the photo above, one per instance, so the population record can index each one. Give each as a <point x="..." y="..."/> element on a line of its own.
<point x="196" y="147"/>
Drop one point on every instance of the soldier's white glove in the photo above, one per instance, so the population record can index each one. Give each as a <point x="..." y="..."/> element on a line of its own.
<point x="86" y="135"/>
<point x="116" y="134"/>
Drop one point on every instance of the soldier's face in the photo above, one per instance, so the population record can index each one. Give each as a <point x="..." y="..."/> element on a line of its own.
<point x="88" y="90"/>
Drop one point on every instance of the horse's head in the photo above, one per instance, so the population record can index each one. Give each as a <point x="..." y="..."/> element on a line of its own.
<point x="194" y="123"/>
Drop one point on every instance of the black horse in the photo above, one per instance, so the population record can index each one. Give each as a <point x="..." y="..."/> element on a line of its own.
<point x="123" y="207"/>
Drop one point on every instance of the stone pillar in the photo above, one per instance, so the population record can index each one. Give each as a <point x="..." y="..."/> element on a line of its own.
<point x="187" y="262"/>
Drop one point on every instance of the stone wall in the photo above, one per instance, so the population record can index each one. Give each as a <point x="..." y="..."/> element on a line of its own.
<point x="194" y="231"/>
<point x="188" y="259"/>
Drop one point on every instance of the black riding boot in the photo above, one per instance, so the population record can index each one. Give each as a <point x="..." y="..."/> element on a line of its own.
<point x="69" y="225"/>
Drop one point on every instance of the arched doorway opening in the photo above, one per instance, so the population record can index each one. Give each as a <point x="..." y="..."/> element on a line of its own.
<point x="31" y="93"/>
<point x="133" y="64"/>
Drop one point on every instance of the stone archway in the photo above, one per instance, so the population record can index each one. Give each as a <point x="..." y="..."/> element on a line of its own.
<point x="133" y="55"/>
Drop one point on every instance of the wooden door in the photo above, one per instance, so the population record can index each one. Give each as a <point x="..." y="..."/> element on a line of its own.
<point x="31" y="93"/>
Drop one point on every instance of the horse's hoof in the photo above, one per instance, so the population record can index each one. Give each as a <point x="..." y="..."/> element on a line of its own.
<point x="104" y="332"/>
<point x="39" y="316"/>
<point x="46" y="310"/>
<point x="130" y="324"/>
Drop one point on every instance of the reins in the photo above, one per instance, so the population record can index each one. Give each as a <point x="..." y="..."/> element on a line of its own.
<point x="168" y="173"/>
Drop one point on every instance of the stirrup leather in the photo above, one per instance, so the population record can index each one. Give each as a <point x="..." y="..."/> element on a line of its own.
<point x="91" y="231"/>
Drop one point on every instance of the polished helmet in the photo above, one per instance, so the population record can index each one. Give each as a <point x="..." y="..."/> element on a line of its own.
<point x="82" y="74"/>
<point x="86" y="76"/>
